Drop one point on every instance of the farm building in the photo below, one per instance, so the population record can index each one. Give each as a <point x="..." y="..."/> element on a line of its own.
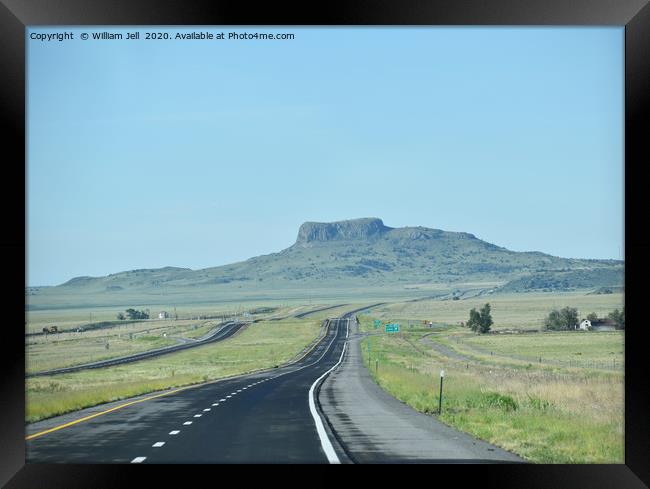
<point x="603" y="325"/>
<point x="585" y="325"/>
<point x="163" y="315"/>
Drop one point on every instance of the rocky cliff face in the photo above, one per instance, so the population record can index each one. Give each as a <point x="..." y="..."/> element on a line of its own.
<point x="355" y="229"/>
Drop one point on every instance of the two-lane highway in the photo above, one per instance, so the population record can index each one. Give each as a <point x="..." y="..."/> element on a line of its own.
<point x="222" y="332"/>
<point x="267" y="417"/>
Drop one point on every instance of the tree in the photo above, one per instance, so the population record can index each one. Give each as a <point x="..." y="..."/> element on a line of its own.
<point x="480" y="322"/>
<point x="592" y="316"/>
<point x="485" y="319"/>
<point x="618" y="317"/>
<point x="121" y="316"/>
<point x="474" y="322"/>
<point x="570" y="317"/>
<point x="564" y="319"/>
<point x="133" y="314"/>
<point x="553" y="320"/>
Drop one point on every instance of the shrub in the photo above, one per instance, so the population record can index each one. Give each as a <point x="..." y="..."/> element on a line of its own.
<point x="494" y="399"/>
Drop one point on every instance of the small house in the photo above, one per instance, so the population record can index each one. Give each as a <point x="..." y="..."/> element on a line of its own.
<point x="585" y="325"/>
<point x="163" y="315"/>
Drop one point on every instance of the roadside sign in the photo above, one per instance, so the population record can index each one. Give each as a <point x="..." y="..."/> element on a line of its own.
<point x="392" y="328"/>
<point x="377" y="323"/>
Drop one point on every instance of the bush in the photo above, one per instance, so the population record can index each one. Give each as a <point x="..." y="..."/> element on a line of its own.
<point x="494" y="399"/>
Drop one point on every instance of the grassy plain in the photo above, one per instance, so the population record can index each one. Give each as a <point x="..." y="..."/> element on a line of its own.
<point x="67" y="348"/>
<point x="44" y="352"/>
<point x="509" y="311"/>
<point x="73" y="317"/>
<point x="572" y="348"/>
<point x="261" y="345"/>
<point x="545" y="413"/>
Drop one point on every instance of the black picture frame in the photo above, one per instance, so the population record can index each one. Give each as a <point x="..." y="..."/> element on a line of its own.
<point x="15" y="15"/>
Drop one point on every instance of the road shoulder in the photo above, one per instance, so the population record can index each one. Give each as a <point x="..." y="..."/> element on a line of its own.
<point x="374" y="427"/>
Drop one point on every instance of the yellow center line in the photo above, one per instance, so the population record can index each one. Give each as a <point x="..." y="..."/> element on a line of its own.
<point x="86" y="418"/>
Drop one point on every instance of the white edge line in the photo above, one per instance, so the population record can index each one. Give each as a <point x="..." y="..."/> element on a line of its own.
<point x="322" y="434"/>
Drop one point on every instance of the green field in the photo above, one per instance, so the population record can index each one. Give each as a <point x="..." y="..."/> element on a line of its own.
<point x="574" y="348"/>
<point x="69" y="347"/>
<point x="44" y="352"/>
<point x="545" y="413"/>
<point x="261" y="345"/>
<point x="568" y="408"/>
<point x="509" y="311"/>
<point x="72" y="317"/>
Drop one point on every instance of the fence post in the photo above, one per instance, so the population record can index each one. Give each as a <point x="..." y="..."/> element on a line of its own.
<point x="442" y="376"/>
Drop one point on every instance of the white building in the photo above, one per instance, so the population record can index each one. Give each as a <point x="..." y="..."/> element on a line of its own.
<point x="585" y="325"/>
<point x="163" y="315"/>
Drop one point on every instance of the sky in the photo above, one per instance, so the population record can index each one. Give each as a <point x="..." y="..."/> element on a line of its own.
<point x="199" y="153"/>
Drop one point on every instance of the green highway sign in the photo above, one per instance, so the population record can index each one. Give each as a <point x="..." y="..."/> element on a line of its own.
<point x="377" y="323"/>
<point x="392" y="328"/>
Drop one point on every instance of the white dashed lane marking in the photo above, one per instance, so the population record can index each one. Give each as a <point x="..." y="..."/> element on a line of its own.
<point x="159" y="444"/>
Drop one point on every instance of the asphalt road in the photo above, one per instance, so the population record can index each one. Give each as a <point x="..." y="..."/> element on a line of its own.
<point x="267" y="417"/>
<point x="218" y="334"/>
<point x="374" y="427"/>
<point x="323" y="408"/>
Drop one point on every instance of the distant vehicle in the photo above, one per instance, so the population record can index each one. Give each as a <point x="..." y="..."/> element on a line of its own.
<point x="51" y="329"/>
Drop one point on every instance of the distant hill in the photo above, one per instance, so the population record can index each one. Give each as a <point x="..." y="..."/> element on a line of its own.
<point x="367" y="253"/>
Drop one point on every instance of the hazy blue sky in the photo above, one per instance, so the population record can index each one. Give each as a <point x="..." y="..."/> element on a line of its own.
<point x="200" y="153"/>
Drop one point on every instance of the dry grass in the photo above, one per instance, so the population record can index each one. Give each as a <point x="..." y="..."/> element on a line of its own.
<point x="508" y="310"/>
<point x="544" y="413"/>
